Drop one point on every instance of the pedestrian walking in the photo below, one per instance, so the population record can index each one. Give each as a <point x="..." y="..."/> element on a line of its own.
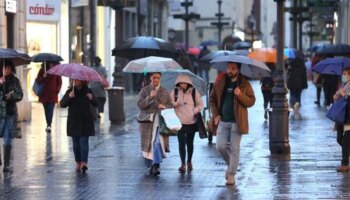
<point x="49" y="96"/>
<point x="330" y="86"/>
<point x="343" y="136"/>
<point x="152" y="99"/>
<point x="229" y="100"/>
<point x="10" y="93"/>
<point x="187" y="103"/>
<point x="97" y="87"/>
<point x="267" y="83"/>
<point x="80" y="123"/>
<point x="296" y="81"/>
<point x="317" y="78"/>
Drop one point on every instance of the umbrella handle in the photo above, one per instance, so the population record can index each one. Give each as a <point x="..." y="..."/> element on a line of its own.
<point x="45" y="67"/>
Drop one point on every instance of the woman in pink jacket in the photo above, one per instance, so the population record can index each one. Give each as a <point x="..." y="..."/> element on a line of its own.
<point x="186" y="108"/>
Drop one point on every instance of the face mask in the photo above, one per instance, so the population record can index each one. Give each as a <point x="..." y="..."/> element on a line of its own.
<point x="344" y="79"/>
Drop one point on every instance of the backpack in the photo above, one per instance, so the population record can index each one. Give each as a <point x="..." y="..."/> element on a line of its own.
<point x="176" y="92"/>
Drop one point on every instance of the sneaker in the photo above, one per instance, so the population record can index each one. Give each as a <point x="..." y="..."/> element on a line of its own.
<point x="48" y="129"/>
<point x="296" y="107"/>
<point x="343" y="168"/>
<point x="230" y="180"/>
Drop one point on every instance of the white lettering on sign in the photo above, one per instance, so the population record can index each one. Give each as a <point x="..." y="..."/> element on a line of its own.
<point x="41" y="10"/>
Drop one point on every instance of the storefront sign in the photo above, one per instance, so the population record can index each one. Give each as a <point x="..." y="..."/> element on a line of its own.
<point x="77" y="3"/>
<point x="43" y="10"/>
<point x="11" y="6"/>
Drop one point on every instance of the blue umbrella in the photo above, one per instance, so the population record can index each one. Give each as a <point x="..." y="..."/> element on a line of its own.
<point x="242" y="45"/>
<point x="292" y="53"/>
<point x="334" y="49"/>
<point x="209" y="43"/>
<point x="13" y="55"/>
<point x="333" y="66"/>
<point x="210" y="56"/>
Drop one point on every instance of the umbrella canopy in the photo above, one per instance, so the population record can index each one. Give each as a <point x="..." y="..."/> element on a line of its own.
<point x="209" y="43"/>
<point x="266" y="55"/>
<point x="169" y="79"/>
<point x="242" y="45"/>
<point x="140" y="47"/>
<point x="318" y="47"/>
<point x="210" y="56"/>
<point x="249" y="68"/>
<point x="46" y="57"/>
<point x="76" y="71"/>
<point x="333" y="66"/>
<point x="151" y="64"/>
<point x="292" y="53"/>
<point x="16" y="57"/>
<point x="337" y="49"/>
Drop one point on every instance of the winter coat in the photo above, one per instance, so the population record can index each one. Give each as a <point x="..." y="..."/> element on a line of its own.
<point x="241" y="102"/>
<point x="184" y="105"/>
<point x="96" y="87"/>
<point x="8" y="109"/>
<point x="80" y="120"/>
<point x="296" y="75"/>
<point x="52" y="87"/>
<point x="149" y="105"/>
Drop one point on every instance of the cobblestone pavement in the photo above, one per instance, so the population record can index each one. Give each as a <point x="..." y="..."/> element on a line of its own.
<point x="44" y="164"/>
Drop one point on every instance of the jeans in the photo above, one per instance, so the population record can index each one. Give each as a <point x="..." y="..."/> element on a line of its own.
<point x="295" y="96"/>
<point x="49" y="107"/>
<point x="81" y="148"/>
<point x="345" y="148"/>
<point x="7" y="139"/>
<point x="186" y="137"/>
<point x="228" y="140"/>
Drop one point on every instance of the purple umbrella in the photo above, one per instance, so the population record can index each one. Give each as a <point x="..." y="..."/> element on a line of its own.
<point x="333" y="66"/>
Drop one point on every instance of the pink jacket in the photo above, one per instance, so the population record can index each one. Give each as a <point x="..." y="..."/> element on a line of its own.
<point x="184" y="106"/>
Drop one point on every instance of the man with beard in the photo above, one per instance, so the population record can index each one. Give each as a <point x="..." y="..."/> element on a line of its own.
<point x="231" y="96"/>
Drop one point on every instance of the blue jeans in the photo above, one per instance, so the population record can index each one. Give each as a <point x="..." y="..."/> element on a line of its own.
<point x="6" y="134"/>
<point x="81" y="148"/>
<point x="49" y="107"/>
<point x="228" y="140"/>
<point x="157" y="149"/>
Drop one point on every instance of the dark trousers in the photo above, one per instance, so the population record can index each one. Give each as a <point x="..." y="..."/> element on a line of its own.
<point x="81" y="148"/>
<point x="329" y="91"/>
<point x="345" y="149"/>
<point x="186" y="137"/>
<point x="101" y="104"/>
<point x="267" y="94"/>
<point x="49" y="107"/>
<point x="295" y="96"/>
<point x="318" y="94"/>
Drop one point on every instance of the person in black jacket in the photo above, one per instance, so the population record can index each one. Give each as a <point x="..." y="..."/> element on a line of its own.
<point x="296" y="81"/>
<point x="267" y="83"/>
<point x="80" y="123"/>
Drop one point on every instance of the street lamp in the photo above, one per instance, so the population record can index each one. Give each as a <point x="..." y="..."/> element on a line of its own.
<point x="279" y="113"/>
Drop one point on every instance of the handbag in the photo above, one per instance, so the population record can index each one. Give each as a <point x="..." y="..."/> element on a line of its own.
<point x="145" y="117"/>
<point x="163" y="128"/>
<point x="38" y="88"/>
<point x="201" y="127"/>
<point x="93" y="112"/>
<point x="338" y="111"/>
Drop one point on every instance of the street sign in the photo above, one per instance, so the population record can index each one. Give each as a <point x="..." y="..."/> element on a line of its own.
<point x="11" y="6"/>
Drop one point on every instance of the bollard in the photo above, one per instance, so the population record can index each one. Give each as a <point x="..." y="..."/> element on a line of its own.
<point x="116" y="104"/>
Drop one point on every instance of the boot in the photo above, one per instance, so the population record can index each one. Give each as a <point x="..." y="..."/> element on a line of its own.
<point x="7" y="155"/>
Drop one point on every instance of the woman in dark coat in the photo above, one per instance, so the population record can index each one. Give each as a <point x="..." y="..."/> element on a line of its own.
<point x="10" y="93"/>
<point x="296" y="81"/>
<point x="80" y="123"/>
<point x="49" y="97"/>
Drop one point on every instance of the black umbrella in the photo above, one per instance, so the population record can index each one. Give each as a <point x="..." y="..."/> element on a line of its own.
<point x="46" y="57"/>
<point x="337" y="49"/>
<point x="143" y="46"/>
<point x="16" y="57"/>
<point x="210" y="56"/>
<point x="242" y="45"/>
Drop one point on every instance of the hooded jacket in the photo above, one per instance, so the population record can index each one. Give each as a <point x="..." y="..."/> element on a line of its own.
<point x="184" y="105"/>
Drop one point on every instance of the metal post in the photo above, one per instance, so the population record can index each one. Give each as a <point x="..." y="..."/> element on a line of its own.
<point x="92" y="4"/>
<point x="295" y="26"/>
<point x="279" y="114"/>
<point x="219" y="25"/>
<point x="186" y="28"/>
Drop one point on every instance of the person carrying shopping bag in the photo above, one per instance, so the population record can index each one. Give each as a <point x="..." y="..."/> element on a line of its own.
<point x="187" y="104"/>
